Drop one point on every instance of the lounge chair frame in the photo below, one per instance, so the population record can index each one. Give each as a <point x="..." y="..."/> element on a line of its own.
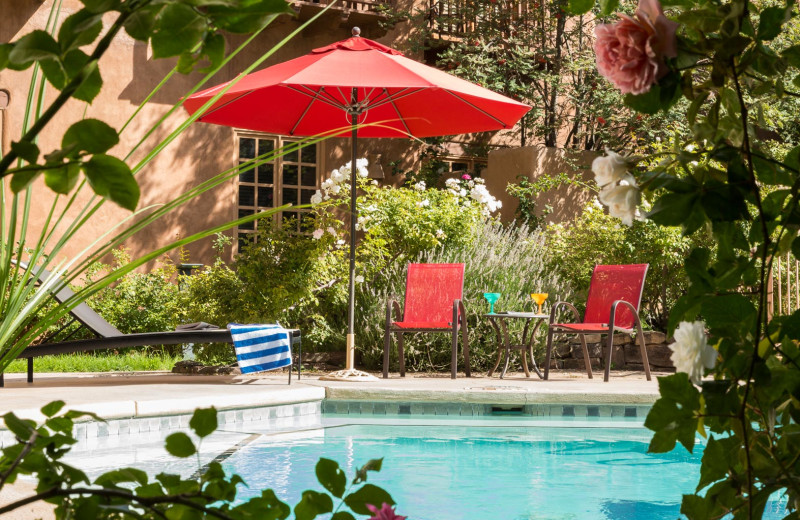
<point x="108" y="337"/>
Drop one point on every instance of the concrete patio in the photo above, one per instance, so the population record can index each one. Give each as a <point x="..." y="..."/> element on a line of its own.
<point x="162" y="393"/>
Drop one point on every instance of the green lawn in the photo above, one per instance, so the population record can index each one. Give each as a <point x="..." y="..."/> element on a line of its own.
<point x="98" y="362"/>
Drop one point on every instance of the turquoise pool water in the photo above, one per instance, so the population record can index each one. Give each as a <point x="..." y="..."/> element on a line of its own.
<point x="487" y="473"/>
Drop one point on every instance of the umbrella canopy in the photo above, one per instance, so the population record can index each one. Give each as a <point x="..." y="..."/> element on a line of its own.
<point x="311" y="95"/>
<point x="356" y="82"/>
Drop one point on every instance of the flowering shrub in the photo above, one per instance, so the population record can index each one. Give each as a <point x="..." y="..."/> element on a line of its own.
<point x="736" y="60"/>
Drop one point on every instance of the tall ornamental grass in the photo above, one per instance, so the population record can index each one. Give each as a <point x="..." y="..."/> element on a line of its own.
<point x="511" y="260"/>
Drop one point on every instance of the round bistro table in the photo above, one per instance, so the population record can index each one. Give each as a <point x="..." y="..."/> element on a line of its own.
<point x="498" y="321"/>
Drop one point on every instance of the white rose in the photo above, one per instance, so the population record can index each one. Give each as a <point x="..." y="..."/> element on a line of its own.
<point x="423" y="203"/>
<point x="336" y="176"/>
<point x="691" y="351"/>
<point x="318" y="234"/>
<point x="362" y="172"/>
<point x="316" y="198"/>
<point x="340" y="242"/>
<point x="336" y="189"/>
<point x="621" y="201"/>
<point x="359" y="279"/>
<point x="609" y="169"/>
<point x="331" y="230"/>
<point x="420" y="186"/>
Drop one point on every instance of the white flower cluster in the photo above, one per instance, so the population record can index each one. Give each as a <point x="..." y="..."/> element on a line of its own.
<point x="691" y="351"/>
<point x="474" y="189"/>
<point x="339" y="178"/>
<point x="618" y="189"/>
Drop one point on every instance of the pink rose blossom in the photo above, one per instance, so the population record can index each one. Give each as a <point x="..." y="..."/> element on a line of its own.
<point x="384" y="513"/>
<point x="466" y="177"/>
<point x="631" y="52"/>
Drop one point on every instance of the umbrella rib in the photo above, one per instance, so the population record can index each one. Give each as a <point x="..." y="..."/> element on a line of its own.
<point x="397" y="111"/>
<point x="320" y="98"/>
<point x="237" y="98"/>
<point x="303" y="115"/>
<point x="482" y="111"/>
<point x="392" y="99"/>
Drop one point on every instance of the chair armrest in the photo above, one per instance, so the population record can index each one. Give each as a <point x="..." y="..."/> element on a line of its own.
<point x="555" y="307"/>
<point x="458" y="306"/>
<point x="392" y="305"/>
<point x="613" y="316"/>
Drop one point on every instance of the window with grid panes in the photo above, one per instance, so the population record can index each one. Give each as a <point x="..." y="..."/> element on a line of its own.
<point x="288" y="179"/>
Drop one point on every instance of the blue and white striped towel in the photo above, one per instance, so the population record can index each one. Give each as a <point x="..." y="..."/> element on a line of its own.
<point x="261" y="347"/>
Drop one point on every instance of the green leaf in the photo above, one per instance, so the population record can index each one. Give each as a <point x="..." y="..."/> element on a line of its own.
<point x="580" y="6"/>
<point x="673" y="209"/>
<point x="115" y="477"/>
<point x="179" y="29"/>
<point x="672" y="416"/>
<point x="140" y="24"/>
<point x="204" y="421"/>
<point x="367" y="494"/>
<point x="90" y="135"/>
<point x="769" y="23"/>
<point x="214" y="50"/>
<point x="111" y="178"/>
<point x="331" y="477"/>
<point x="249" y="18"/>
<point x="5" y="50"/>
<point x="34" y="46"/>
<point x="180" y="445"/>
<point x="27" y="151"/>
<point x="79" y="29"/>
<point x="729" y="312"/>
<point x="647" y="103"/>
<point x="21" y="180"/>
<point x="101" y="6"/>
<point x="52" y="408"/>
<point x="695" y="507"/>
<point x="792" y="56"/>
<point x="312" y="504"/>
<point x="343" y="515"/>
<point x="91" y="83"/>
<point x="608" y="6"/>
<point x="62" y="179"/>
<point x="796" y="248"/>
<point x="371" y="465"/>
<point x="22" y="428"/>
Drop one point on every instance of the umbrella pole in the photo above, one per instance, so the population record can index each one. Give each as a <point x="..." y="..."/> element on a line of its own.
<point x="351" y="337"/>
<point x="350" y="373"/>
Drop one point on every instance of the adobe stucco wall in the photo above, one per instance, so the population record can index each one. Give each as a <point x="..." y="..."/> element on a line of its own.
<point x="198" y="154"/>
<point x="538" y="161"/>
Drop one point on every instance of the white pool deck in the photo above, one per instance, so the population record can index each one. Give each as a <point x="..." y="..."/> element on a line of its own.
<point x="162" y="393"/>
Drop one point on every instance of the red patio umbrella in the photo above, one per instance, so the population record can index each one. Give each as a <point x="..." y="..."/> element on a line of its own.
<point x="357" y="81"/>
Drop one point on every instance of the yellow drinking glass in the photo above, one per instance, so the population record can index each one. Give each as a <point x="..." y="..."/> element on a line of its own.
<point x="539" y="299"/>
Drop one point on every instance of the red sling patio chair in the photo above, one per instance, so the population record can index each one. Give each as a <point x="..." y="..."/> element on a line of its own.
<point x="615" y="293"/>
<point x="432" y="304"/>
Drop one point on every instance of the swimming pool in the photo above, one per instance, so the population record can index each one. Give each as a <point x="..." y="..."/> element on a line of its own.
<point x="562" y="468"/>
<point x="487" y="472"/>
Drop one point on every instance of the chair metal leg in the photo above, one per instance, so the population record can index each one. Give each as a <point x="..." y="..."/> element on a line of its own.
<point x="643" y="348"/>
<point x="400" y="349"/>
<point x="387" y="344"/>
<point x="608" y="356"/>
<point x="465" y="341"/>
<point x="299" y="356"/>
<point x="2" y="380"/>
<point x="548" y="354"/>
<point x="30" y="370"/>
<point x="586" y="360"/>
<point x="454" y="353"/>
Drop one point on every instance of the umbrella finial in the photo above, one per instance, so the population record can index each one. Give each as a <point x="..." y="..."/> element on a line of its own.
<point x="356" y="32"/>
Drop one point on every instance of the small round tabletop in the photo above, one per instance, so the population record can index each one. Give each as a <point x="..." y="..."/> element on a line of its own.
<point x="513" y="314"/>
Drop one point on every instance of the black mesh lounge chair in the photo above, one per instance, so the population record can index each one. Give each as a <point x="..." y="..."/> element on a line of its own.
<point x="108" y="337"/>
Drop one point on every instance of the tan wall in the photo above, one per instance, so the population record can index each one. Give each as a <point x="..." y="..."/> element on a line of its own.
<point x="538" y="161"/>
